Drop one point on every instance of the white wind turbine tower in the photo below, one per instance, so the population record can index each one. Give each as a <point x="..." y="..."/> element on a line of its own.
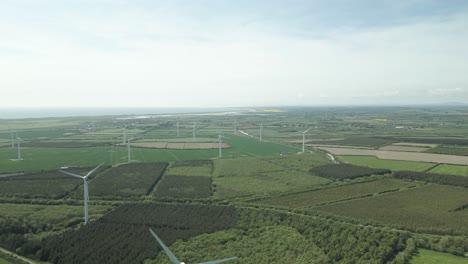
<point x="303" y="139"/>
<point x="194" y="131"/>
<point x="124" y="135"/>
<point x="174" y="259"/>
<point x="178" y="125"/>
<point x="86" y="193"/>
<point x="220" y="144"/>
<point x="261" y="131"/>
<point x="18" y="140"/>
<point x="129" y="153"/>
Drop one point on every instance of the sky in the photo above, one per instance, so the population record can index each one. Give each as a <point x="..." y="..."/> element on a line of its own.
<point x="242" y="53"/>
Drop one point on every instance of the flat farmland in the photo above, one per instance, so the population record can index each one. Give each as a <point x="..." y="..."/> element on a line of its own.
<point x="47" y="184"/>
<point x="394" y="165"/>
<point x="303" y="162"/>
<point x="262" y="183"/>
<point x="191" y="168"/>
<point x="179" y="145"/>
<point x="399" y="155"/>
<point x="430" y="208"/>
<point x="403" y="148"/>
<point x="183" y="187"/>
<point x="451" y="169"/>
<point x="243" y="166"/>
<point x="323" y="196"/>
<point x="127" y="180"/>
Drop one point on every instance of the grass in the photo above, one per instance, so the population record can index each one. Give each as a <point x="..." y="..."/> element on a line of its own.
<point x="425" y="256"/>
<point x="199" y="170"/>
<point x="265" y="183"/>
<point x="430" y="208"/>
<point x="184" y="187"/>
<point x="59" y="215"/>
<point x="243" y="166"/>
<point x="323" y="196"/>
<point x="451" y="169"/>
<point x="394" y="165"/>
<point x="35" y="159"/>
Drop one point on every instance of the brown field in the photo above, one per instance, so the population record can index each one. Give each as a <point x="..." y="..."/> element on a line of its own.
<point x="179" y="145"/>
<point x="399" y="155"/>
<point x="337" y="146"/>
<point x="415" y="144"/>
<point x="403" y="148"/>
<point x="150" y="144"/>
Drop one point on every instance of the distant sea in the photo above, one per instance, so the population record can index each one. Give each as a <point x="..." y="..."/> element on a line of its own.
<point x="17" y="113"/>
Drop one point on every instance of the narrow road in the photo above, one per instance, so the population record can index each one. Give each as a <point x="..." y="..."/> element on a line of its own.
<point x="26" y="260"/>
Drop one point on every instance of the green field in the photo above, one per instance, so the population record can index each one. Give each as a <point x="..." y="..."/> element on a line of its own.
<point x="191" y="168"/>
<point x="59" y="216"/>
<point x="425" y="256"/>
<point x="35" y="159"/>
<point x="394" y="165"/>
<point x="323" y="196"/>
<point x="451" y="169"/>
<point x="430" y="208"/>
<point x="183" y="187"/>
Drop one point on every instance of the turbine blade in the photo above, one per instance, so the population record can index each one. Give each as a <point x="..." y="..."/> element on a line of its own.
<point x="72" y="174"/>
<point x="166" y="249"/>
<point x="91" y="172"/>
<point x="218" y="261"/>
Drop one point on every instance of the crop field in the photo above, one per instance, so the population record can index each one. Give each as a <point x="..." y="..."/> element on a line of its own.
<point x="57" y="216"/>
<point x="403" y="148"/>
<point x="302" y="162"/>
<point x="243" y="166"/>
<point x="265" y="183"/>
<point x="36" y="159"/>
<point x="399" y="155"/>
<point x="356" y="141"/>
<point x="451" y="169"/>
<point x="394" y="165"/>
<point x="122" y="236"/>
<point x="191" y="168"/>
<point x="184" y="187"/>
<point x="425" y="256"/>
<point x="127" y="180"/>
<point x="47" y="184"/>
<point x="335" y="194"/>
<point x="346" y="171"/>
<point x="179" y="145"/>
<point x="450" y="149"/>
<point x="430" y="208"/>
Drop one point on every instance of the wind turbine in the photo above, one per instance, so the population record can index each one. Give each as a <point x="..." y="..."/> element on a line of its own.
<point x="194" y="131"/>
<point x="303" y="139"/>
<point x="174" y="259"/>
<point x="261" y="131"/>
<point x="18" y="140"/>
<point x="86" y="194"/>
<point x="178" y="123"/>
<point x="220" y="146"/>
<point x="124" y="135"/>
<point x="128" y="150"/>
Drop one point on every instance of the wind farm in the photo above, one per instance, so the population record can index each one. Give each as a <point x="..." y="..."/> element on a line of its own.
<point x="247" y="132"/>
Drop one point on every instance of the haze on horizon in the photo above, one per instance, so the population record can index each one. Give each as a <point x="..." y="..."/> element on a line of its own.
<point x="200" y="53"/>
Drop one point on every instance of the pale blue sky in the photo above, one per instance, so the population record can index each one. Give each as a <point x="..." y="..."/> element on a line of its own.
<point x="232" y="53"/>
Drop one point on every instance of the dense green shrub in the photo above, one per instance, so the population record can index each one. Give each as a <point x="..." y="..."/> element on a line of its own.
<point x="345" y="171"/>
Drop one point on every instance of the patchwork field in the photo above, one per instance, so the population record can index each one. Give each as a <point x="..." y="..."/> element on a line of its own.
<point x="335" y="194"/>
<point x="183" y="187"/>
<point x="127" y="180"/>
<point x="47" y="184"/>
<point x="394" y="165"/>
<point x="180" y="145"/>
<point x="191" y="168"/>
<point x="403" y="148"/>
<point x="399" y="155"/>
<point x="430" y="208"/>
<point x="451" y="169"/>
